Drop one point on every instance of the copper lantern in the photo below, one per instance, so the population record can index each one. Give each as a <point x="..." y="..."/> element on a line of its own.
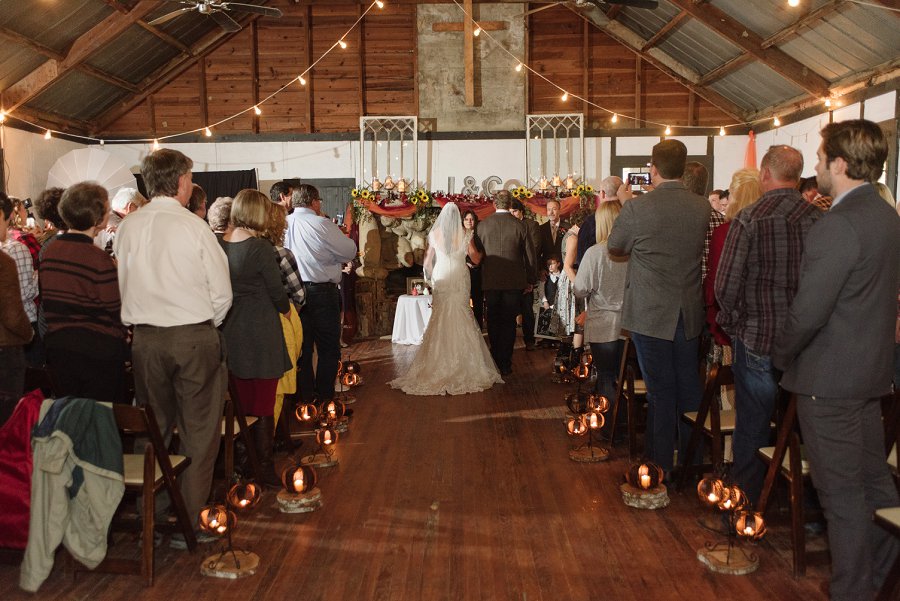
<point x="645" y="476"/>
<point x="299" y="478"/>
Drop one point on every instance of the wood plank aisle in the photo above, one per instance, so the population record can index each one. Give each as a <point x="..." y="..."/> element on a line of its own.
<point x="459" y="498"/>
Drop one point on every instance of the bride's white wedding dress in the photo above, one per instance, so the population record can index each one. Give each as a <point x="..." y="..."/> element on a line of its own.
<point x="453" y="357"/>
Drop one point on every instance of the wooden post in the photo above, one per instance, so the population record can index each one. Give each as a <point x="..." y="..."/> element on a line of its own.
<point x="254" y="70"/>
<point x="469" y="53"/>
<point x="638" y="93"/>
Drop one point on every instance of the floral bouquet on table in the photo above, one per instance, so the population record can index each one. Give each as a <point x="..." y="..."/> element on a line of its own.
<point x="522" y="193"/>
<point x="362" y="198"/>
<point x="585" y="195"/>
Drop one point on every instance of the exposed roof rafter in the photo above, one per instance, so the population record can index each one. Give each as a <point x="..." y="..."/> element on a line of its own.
<point x="780" y="62"/>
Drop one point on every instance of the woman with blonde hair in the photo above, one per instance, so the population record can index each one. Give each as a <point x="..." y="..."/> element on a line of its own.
<point x="257" y="356"/>
<point x="601" y="282"/>
<point x="744" y="190"/>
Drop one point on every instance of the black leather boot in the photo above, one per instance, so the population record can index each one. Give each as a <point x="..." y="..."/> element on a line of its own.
<point x="262" y="432"/>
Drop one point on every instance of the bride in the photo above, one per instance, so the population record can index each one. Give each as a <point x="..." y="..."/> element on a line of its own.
<point x="453" y="358"/>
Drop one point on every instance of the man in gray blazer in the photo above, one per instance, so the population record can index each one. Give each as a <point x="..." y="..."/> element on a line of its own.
<point x="663" y="231"/>
<point x="532" y="229"/>
<point x="836" y="350"/>
<point x="507" y="272"/>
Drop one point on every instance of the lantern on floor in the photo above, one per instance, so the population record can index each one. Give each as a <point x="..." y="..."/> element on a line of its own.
<point x="244" y="496"/>
<point x="710" y="491"/>
<point x="576" y="425"/>
<point x="595" y="420"/>
<point x="300" y="494"/>
<point x="582" y="372"/>
<point x="586" y="357"/>
<point x="306" y="413"/>
<point x="216" y="520"/>
<point x="750" y="525"/>
<point x="333" y="410"/>
<point x="577" y="402"/>
<point x="351" y="367"/>
<point x="326" y="436"/>
<point x="733" y="499"/>
<point x="643" y="487"/>
<point x="351" y="379"/>
<point x="598" y="403"/>
<point x="644" y="476"/>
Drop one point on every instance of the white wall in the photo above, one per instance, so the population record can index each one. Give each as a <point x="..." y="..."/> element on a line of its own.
<point x="28" y="158"/>
<point x="802" y="135"/>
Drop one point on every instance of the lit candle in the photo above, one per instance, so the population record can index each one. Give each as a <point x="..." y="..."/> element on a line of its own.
<point x="593" y="420"/>
<point x="244" y="502"/>
<point x="645" y="481"/>
<point x="713" y="498"/>
<point x="748" y="531"/>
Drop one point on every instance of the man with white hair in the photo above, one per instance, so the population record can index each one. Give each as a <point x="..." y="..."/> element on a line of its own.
<point x="611" y="188"/>
<point x="125" y="201"/>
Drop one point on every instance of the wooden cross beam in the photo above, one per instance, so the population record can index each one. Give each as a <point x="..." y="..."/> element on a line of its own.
<point x="468" y="29"/>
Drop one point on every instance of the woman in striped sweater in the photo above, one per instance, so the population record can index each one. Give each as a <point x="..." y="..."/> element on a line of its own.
<point x="85" y="338"/>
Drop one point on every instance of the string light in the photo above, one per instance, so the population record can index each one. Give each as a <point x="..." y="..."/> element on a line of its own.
<point x="477" y="31"/>
<point x="2" y="116"/>
<point x="47" y="135"/>
<point x="256" y="110"/>
<point x="565" y="96"/>
<point x="794" y="3"/>
<point x="102" y="142"/>
<point x="379" y="3"/>
<point x="301" y="80"/>
<point x="828" y="103"/>
<point x="776" y="122"/>
<point x="615" y="118"/>
<point x="721" y="131"/>
<point x="519" y="68"/>
<point x="342" y="44"/>
<point x="207" y="132"/>
<point x="668" y="131"/>
<point x="155" y="144"/>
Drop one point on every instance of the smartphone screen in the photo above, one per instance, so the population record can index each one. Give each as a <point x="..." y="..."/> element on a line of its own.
<point x="636" y="180"/>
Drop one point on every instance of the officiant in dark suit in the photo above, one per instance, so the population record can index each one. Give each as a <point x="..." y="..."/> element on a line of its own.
<point x="508" y="271"/>
<point x="551" y="234"/>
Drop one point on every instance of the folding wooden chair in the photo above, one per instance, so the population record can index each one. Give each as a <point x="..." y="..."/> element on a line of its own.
<point x="709" y="421"/>
<point x="629" y="387"/>
<point x="146" y="474"/>
<point x="236" y="423"/>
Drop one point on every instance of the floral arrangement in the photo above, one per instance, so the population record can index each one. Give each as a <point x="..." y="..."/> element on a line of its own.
<point x="365" y="198"/>
<point x="420" y="196"/>
<point x="522" y="192"/>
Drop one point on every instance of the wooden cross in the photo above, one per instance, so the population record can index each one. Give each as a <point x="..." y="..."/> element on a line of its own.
<point x="468" y="29"/>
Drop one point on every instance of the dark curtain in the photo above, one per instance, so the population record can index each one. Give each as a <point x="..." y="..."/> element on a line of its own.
<point x="216" y="183"/>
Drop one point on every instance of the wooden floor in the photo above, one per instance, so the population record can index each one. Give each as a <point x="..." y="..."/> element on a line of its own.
<point x="460" y="498"/>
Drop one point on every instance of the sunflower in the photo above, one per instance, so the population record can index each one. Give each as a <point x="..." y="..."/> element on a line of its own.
<point x="422" y="195"/>
<point x="354" y="192"/>
<point x="515" y="193"/>
<point x="589" y="189"/>
<point x="579" y="190"/>
<point x="365" y="194"/>
<point x="529" y="193"/>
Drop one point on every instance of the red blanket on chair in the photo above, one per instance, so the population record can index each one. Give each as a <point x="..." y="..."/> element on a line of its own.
<point x="15" y="471"/>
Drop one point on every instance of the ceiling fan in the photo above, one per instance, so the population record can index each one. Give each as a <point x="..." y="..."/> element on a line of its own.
<point x="218" y="11"/>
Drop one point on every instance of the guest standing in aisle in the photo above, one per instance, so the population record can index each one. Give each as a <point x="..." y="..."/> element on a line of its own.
<point x="321" y="249"/>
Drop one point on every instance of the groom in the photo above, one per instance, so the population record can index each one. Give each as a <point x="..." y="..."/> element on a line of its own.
<point x="507" y="272"/>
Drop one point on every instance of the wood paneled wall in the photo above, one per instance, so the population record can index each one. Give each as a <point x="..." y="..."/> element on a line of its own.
<point x="376" y="75"/>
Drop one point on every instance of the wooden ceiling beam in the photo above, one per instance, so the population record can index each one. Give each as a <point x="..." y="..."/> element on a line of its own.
<point x="777" y="60"/>
<point x="664" y="32"/>
<point x="51" y="120"/>
<point x="614" y="11"/>
<point x="685" y="75"/>
<point x="806" y="20"/>
<point x="725" y="69"/>
<point x="18" y="38"/>
<point x="165" y="75"/>
<point x="171" y="41"/>
<point x="81" y="49"/>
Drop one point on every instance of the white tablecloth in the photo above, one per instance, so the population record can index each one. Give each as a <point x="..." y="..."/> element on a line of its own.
<point x="411" y="319"/>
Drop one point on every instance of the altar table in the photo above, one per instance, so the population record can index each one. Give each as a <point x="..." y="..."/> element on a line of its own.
<point x="411" y="319"/>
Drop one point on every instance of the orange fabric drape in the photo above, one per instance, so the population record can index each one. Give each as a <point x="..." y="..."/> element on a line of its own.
<point x="481" y="209"/>
<point x="400" y="212"/>
<point x="567" y="205"/>
<point x="750" y="154"/>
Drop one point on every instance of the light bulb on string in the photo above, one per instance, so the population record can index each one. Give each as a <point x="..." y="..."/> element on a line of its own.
<point x="155" y="144"/>
<point x="301" y="79"/>
<point x="102" y="142"/>
<point x="47" y="135"/>
<point x="828" y="103"/>
<point x="668" y="131"/>
<point x="342" y="44"/>
<point x="776" y="122"/>
<point x="2" y="116"/>
<point x="256" y="110"/>
<point x="565" y="96"/>
<point x="379" y="3"/>
<point x="721" y="131"/>
<point x="207" y="132"/>
<point x="615" y="118"/>
<point x="793" y="3"/>
<point x="519" y="68"/>
<point x="477" y="31"/>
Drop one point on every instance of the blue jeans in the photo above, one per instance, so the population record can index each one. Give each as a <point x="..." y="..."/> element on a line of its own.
<point x="755" y="390"/>
<point x="671" y="370"/>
